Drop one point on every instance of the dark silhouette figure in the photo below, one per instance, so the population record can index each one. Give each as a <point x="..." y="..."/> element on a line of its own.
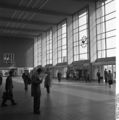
<point x="98" y="76"/>
<point x="36" y="80"/>
<point x="59" y="76"/>
<point x="1" y="79"/>
<point x="106" y="75"/>
<point x="26" y="79"/>
<point x="47" y="82"/>
<point x="8" y="94"/>
<point x="110" y="79"/>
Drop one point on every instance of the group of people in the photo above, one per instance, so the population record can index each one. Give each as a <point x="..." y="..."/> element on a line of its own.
<point x="35" y="79"/>
<point x="107" y="76"/>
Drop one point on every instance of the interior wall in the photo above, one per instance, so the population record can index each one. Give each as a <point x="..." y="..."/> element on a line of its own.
<point x="21" y="47"/>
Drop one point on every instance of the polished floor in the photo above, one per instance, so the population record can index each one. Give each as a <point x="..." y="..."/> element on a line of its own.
<point x="67" y="101"/>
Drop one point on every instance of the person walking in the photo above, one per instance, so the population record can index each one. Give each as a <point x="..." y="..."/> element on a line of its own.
<point x="47" y="82"/>
<point x="110" y="79"/>
<point x="36" y="80"/>
<point x="59" y="76"/>
<point x="105" y="75"/>
<point x="98" y="76"/>
<point x="26" y="79"/>
<point x="8" y="94"/>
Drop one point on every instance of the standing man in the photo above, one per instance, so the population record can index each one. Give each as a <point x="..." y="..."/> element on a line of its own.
<point x="59" y="76"/>
<point x="0" y="79"/>
<point x="105" y="75"/>
<point x="26" y="79"/>
<point x="110" y="78"/>
<point x="36" y="80"/>
<point x="98" y="76"/>
<point x="47" y="82"/>
<point x="8" y="94"/>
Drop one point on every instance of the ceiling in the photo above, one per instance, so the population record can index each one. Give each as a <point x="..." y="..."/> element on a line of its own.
<point x="30" y="18"/>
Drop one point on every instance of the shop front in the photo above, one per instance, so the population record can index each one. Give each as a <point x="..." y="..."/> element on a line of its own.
<point x="101" y="65"/>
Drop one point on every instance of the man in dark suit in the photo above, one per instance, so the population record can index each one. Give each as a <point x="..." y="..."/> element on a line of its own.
<point x="47" y="81"/>
<point x="8" y="94"/>
<point x="36" y="80"/>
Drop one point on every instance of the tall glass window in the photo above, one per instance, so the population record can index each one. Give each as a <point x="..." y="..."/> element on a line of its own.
<point x="80" y="35"/>
<point x="49" y="47"/>
<point x="62" y="42"/>
<point x="106" y="29"/>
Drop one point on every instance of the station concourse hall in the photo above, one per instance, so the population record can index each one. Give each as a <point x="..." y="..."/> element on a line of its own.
<point x="58" y="60"/>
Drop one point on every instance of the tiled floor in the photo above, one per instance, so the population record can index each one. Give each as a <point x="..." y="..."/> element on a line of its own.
<point x="67" y="101"/>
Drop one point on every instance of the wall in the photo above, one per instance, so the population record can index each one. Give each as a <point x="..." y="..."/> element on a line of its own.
<point x="21" y="47"/>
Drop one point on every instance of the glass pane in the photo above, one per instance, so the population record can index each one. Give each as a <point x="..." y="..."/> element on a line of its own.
<point x="111" y="42"/>
<point x="64" y="47"/>
<point x="110" y="25"/>
<point x="82" y="20"/>
<point x="63" y="35"/>
<point x="100" y="12"/>
<point x="59" y="60"/>
<point x="111" y="53"/>
<point x="100" y="28"/>
<point x="59" y="32"/>
<point x="64" y="59"/>
<point x="64" y="41"/>
<point x="100" y="20"/>
<point x="59" y="37"/>
<point x="76" y="58"/>
<point x="75" y="37"/>
<point x="50" y="46"/>
<point x="110" y="16"/>
<point x="101" y="54"/>
<point x="83" y="57"/>
<point x="83" y="27"/>
<point x="59" y="48"/>
<point x="101" y="44"/>
<point x="75" y="50"/>
<point x="110" y="7"/>
<point x="82" y="34"/>
<point x="83" y="49"/>
<point x="59" y="43"/>
<point x="111" y="33"/>
<point x="51" y="56"/>
<point x="64" y="30"/>
<point x="82" y="15"/>
<point x="63" y="53"/>
<point x="59" y="53"/>
<point x="101" y="36"/>
<point x="75" y="30"/>
<point x="75" y="24"/>
<point x="75" y="43"/>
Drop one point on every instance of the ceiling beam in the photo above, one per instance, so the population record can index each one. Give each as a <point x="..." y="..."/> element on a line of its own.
<point x="21" y="29"/>
<point x="14" y="20"/>
<point x="32" y="10"/>
<point x="17" y="35"/>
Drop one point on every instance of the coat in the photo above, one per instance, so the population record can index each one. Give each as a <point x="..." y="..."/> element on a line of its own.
<point x="35" y="85"/>
<point x="110" y="78"/>
<point x="47" y="81"/>
<point x="9" y="84"/>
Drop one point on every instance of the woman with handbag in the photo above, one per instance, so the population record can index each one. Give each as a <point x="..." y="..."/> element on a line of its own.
<point x="8" y="94"/>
